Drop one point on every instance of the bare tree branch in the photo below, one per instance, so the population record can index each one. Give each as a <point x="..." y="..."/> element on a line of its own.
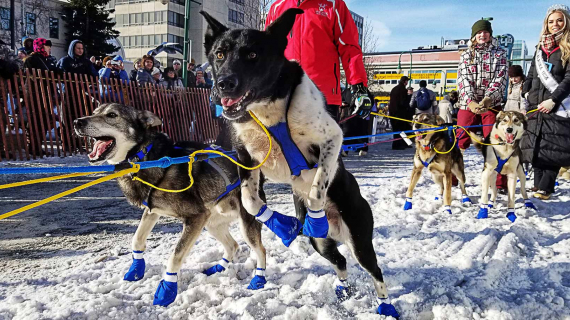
<point x="254" y="12"/>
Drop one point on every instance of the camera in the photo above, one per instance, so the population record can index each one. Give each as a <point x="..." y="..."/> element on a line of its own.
<point x="116" y="63"/>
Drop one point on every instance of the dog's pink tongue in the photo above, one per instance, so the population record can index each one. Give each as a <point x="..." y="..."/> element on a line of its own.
<point x="228" y="102"/>
<point x="510" y="137"/>
<point x="99" y="147"/>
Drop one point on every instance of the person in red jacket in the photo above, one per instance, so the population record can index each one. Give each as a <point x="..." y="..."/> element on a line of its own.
<point x="322" y="37"/>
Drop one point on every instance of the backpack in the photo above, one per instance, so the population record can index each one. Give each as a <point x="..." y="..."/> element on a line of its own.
<point x="422" y="99"/>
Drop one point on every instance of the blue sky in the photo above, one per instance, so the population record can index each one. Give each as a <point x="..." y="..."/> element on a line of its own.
<point x="403" y="25"/>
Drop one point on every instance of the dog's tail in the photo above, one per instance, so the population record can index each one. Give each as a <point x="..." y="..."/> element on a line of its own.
<point x="476" y="140"/>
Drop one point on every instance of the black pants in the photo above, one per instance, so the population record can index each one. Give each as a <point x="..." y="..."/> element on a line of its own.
<point x="397" y="127"/>
<point x="545" y="177"/>
<point x="356" y="127"/>
<point x="333" y="110"/>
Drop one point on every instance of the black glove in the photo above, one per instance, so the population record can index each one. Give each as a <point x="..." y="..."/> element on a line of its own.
<point x="360" y="102"/>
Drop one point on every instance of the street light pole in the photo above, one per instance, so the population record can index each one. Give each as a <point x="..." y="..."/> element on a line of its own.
<point x="12" y="25"/>
<point x="186" y="44"/>
<point x="400" y="64"/>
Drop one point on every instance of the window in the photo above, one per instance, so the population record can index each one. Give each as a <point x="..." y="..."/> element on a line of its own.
<point x="235" y="16"/>
<point x="452" y="71"/>
<point x="394" y="82"/>
<point x="54" y="28"/>
<point x="175" y="19"/>
<point x="30" y="23"/>
<point x="380" y="81"/>
<point x="451" y="81"/>
<point x="4" y="18"/>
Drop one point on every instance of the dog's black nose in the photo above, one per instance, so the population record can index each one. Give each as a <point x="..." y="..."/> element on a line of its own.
<point x="509" y="130"/>
<point x="228" y="83"/>
<point x="79" y="123"/>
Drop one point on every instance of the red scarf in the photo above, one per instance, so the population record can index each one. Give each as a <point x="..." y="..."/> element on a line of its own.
<point x="550" y="41"/>
<point x="39" y="47"/>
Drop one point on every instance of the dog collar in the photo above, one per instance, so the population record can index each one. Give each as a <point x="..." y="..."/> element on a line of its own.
<point x="141" y="154"/>
<point x="427" y="147"/>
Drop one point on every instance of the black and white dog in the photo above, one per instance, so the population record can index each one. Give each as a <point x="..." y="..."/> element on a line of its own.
<point x="123" y="133"/>
<point x="253" y="75"/>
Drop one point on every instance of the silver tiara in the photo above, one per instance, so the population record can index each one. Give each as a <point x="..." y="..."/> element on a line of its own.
<point x="555" y="7"/>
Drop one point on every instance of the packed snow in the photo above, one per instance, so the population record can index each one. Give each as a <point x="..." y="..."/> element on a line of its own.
<point x="66" y="260"/>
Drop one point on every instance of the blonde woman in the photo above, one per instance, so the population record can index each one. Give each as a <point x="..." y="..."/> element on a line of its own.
<point x="547" y="89"/>
<point x="481" y="80"/>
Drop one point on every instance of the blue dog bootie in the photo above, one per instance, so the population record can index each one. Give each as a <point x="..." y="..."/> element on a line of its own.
<point x="220" y="267"/>
<point x="136" y="271"/>
<point x="259" y="281"/>
<point x="408" y="204"/>
<point x="167" y="290"/>
<point x="491" y="205"/>
<point x="386" y="308"/>
<point x="465" y="199"/>
<point x="316" y="224"/>
<point x="439" y="197"/>
<point x="446" y="209"/>
<point x="285" y="227"/>
<point x="343" y="290"/>
<point x="511" y="215"/>
<point x="529" y="204"/>
<point x="483" y="212"/>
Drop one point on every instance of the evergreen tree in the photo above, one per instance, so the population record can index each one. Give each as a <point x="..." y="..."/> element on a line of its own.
<point x="88" y="21"/>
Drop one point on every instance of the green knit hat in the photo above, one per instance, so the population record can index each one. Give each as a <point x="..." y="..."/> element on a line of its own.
<point x="480" y="26"/>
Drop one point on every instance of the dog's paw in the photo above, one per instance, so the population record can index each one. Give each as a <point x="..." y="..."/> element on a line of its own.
<point x="220" y="267"/>
<point x="408" y="204"/>
<point x="136" y="271"/>
<point x="528" y="204"/>
<point x="343" y="292"/>
<point x="439" y="197"/>
<point x="285" y="227"/>
<point x="511" y="215"/>
<point x="258" y="282"/>
<point x="316" y="224"/>
<point x="466" y="200"/>
<point x="446" y="209"/>
<point x="387" y="309"/>
<point x="166" y="292"/>
<point x="491" y="205"/>
<point x="483" y="212"/>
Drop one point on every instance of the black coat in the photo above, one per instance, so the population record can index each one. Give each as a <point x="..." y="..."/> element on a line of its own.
<point x="37" y="61"/>
<point x="399" y="102"/>
<point x="537" y="92"/>
<point x="545" y="142"/>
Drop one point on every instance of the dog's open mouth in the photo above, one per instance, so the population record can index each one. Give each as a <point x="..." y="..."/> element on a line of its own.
<point x="235" y="107"/>
<point x="101" y="148"/>
<point x="510" y="138"/>
<point x="419" y="135"/>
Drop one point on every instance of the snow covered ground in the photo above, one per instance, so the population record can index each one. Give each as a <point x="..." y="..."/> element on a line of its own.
<point x="66" y="260"/>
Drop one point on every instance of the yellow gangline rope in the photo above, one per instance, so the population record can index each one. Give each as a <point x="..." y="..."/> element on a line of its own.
<point x="135" y="168"/>
<point x="193" y="156"/>
<point x="28" y="182"/>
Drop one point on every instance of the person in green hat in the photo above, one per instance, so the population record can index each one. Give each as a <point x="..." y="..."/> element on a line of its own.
<point x="481" y="83"/>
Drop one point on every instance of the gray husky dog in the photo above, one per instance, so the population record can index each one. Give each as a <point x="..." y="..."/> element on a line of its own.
<point x="121" y="134"/>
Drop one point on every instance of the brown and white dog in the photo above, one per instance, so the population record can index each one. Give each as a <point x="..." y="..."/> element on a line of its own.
<point x="502" y="155"/>
<point x="432" y="153"/>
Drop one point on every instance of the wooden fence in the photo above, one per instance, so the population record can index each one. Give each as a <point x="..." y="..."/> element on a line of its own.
<point x="37" y="109"/>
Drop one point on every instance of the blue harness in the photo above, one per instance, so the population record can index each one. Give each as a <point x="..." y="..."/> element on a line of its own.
<point x="294" y="157"/>
<point x="500" y="162"/>
<point x="230" y="186"/>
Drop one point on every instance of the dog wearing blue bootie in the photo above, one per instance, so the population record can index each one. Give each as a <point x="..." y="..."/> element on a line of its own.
<point x="437" y="152"/>
<point x="123" y="134"/>
<point x="502" y="155"/>
<point x="282" y="129"/>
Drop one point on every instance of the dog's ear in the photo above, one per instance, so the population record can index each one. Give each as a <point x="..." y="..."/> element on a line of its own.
<point x="214" y="30"/>
<point x="439" y="120"/>
<point x="149" y="119"/>
<point x="283" y="25"/>
<point x="499" y="118"/>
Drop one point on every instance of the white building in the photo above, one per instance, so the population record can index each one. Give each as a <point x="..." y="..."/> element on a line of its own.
<point x="35" y="19"/>
<point x="145" y="24"/>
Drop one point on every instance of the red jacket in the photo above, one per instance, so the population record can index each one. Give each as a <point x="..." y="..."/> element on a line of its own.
<point x="321" y="35"/>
